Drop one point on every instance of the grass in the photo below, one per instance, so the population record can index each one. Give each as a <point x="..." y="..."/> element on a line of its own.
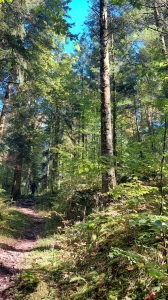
<point x="12" y="223"/>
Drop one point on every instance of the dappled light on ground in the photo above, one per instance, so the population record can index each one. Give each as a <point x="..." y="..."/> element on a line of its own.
<point x="13" y="251"/>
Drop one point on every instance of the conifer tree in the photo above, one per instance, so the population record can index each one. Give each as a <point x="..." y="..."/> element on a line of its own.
<point x="108" y="177"/>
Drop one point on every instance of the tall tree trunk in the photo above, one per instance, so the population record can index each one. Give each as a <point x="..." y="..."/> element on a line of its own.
<point x="4" y="110"/>
<point x="137" y="124"/>
<point x="17" y="176"/>
<point x="108" y="177"/>
<point x="114" y="102"/>
<point x="158" y="22"/>
<point x="48" y="169"/>
<point x="55" y="155"/>
<point x="158" y="17"/>
<point x="27" y="185"/>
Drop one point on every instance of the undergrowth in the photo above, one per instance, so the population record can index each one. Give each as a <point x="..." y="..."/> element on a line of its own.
<point x="12" y="222"/>
<point x="119" y="253"/>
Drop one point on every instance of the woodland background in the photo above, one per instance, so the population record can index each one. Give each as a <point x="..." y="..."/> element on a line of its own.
<point x="50" y="100"/>
<point x="50" y="128"/>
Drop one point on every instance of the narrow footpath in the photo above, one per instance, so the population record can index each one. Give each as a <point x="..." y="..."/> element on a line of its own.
<point x="12" y="255"/>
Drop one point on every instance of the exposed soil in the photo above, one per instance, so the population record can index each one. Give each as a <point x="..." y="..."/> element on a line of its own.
<point x="13" y="254"/>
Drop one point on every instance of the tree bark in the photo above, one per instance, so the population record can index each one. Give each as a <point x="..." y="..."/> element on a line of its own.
<point x="108" y="177"/>
<point x="164" y="50"/>
<point x="4" y="110"/>
<point x="55" y="155"/>
<point x="114" y="102"/>
<point x="158" y="17"/>
<point x="27" y="185"/>
<point x="17" y="177"/>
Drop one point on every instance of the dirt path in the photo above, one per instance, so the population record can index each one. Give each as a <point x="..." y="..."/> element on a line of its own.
<point x="12" y="255"/>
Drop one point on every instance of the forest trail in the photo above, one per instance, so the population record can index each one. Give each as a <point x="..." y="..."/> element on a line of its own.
<point x="13" y="254"/>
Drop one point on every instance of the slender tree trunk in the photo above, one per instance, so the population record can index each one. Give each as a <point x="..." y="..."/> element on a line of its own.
<point x="17" y="176"/>
<point x="114" y="102"/>
<point x="48" y="169"/>
<point x="137" y="123"/>
<point x="158" y="17"/>
<point x="108" y="177"/>
<point x="55" y="155"/>
<point x="4" y="110"/>
<point x="27" y="185"/>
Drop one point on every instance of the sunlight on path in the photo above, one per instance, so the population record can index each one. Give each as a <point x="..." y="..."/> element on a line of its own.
<point x="14" y="252"/>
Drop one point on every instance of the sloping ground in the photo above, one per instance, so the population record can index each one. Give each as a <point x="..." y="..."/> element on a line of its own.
<point x="13" y="251"/>
<point x="118" y="253"/>
<point x="115" y="254"/>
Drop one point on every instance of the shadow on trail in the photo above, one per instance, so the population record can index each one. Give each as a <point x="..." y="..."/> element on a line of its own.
<point x="4" y="270"/>
<point x="12" y="248"/>
<point x="23" y="226"/>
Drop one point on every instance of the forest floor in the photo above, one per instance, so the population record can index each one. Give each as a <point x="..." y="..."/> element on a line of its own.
<point x="14" y="251"/>
<point x="115" y="252"/>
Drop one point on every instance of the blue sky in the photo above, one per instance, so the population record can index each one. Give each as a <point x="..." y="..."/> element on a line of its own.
<point x="78" y="13"/>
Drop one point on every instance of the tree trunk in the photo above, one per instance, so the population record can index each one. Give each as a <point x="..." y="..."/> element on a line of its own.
<point x="17" y="177"/>
<point x="114" y="102"/>
<point x="158" y="18"/>
<point x="4" y="110"/>
<point x="108" y="177"/>
<point x="27" y="185"/>
<point x="164" y="50"/>
<point x="48" y="170"/>
<point x="55" y="154"/>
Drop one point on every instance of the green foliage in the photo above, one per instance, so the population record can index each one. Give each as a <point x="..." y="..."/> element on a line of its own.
<point x="53" y="119"/>
<point x="3" y="1"/>
<point x="26" y="283"/>
<point x="80" y="205"/>
<point x="12" y="222"/>
<point x="135" y="3"/>
<point x="133" y="190"/>
<point x="117" y="253"/>
<point x="2" y="191"/>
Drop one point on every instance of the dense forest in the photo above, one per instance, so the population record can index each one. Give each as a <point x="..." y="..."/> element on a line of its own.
<point x="90" y="127"/>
